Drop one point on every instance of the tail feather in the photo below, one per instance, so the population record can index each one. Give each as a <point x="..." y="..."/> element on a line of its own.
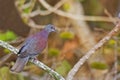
<point x="19" y="65"/>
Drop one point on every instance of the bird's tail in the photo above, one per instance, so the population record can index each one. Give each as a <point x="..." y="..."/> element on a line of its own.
<point x="19" y="65"/>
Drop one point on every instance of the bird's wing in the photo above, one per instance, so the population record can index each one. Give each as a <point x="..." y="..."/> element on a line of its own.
<point x="23" y="50"/>
<point x="25" y="44"/>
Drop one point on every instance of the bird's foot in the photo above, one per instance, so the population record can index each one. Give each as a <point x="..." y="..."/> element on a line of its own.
<point x="34" y="58"/>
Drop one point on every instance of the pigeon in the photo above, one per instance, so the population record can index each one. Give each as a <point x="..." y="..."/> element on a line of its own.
<point x="32" y="46"/>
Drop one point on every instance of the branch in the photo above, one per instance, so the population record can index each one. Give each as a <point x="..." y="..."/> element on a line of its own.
<point x="92" y="51"/>
<point x="74" y="16"/>
<point x="36" y="62"/>
<point x="47" y="12"/>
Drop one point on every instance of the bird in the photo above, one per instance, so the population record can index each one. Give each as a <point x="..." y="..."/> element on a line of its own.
<point x="32" y="46"/>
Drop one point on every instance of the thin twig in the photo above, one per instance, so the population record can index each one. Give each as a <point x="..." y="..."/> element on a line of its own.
<point x="91" y="52"/>
<point x="74" y="16"/>
<point x="109" y="15"/>
<point x="36" y="62"/>
<point x="47" y="12"/>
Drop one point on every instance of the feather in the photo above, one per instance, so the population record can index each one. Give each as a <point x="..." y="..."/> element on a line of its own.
<point x="19" y="65"/>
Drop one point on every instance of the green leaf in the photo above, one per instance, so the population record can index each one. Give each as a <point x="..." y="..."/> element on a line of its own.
<point x="53" y="52"/>
<point x="67" y="35"/>
<point x="27" y="10"/>
<point x="7" y="36"/>
<point x="63" y="68"/>
<point x="111" y="42"/>
<point x="10" y="35"/>
<point x="2" y="36"/>
<point x="99" y="65"/>
<point x="66" y="7"/>
<point x="6" y="51"/>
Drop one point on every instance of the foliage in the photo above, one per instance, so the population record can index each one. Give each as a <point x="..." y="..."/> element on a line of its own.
<point x="6" y="51"/>
<point x="66" y="7"/>
<point x="8" y="36"/>
<point x="27" y="10"/>
<point x="67" y="35"/>
<point x="99" y="65"/>
<point x="111" y="42"/>
<point x="53" y="52"/>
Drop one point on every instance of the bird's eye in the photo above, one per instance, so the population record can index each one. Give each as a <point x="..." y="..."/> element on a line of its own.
<point x="52" y="28"/>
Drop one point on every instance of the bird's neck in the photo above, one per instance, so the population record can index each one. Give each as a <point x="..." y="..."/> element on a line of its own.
<point x="44" y="33"/>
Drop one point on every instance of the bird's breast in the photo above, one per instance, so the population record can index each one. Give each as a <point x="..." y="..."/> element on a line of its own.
<point x="40" y="45"/>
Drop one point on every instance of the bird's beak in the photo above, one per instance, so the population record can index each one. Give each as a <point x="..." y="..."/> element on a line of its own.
<point x="54" y="30"/>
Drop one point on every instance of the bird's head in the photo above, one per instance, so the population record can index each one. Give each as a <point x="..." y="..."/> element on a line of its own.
<point x="50" y="28"/>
